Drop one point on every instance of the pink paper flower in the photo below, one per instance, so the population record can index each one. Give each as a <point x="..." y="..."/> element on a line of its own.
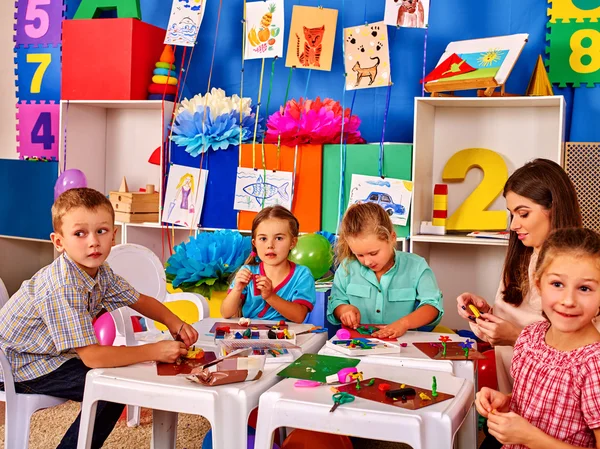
<point x="312" y="121"/>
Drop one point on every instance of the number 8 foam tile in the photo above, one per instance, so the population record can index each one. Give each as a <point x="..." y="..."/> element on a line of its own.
<point x="38" y="22"/>
<point x="573" y="53"/>
<point x="567" y="10"/>
<point x="38" y="73"/>
<point x="38" y="130"/>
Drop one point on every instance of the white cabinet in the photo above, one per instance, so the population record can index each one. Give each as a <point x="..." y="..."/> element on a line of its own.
<point x="519" y="129"/>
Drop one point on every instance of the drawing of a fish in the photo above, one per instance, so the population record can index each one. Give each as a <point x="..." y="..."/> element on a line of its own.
<point x="260" y="190"/>
<point x="380" y="183"/>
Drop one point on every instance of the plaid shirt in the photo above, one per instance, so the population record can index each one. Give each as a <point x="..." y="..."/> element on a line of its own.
<point x="51" y="314"/>
<point x="558" y="392"/>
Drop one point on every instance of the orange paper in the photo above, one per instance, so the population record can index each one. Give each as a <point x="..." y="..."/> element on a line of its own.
<point x="306" y="202"/>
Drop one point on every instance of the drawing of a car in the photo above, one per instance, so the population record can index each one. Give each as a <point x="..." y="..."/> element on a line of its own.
<point x="385" y="201"/>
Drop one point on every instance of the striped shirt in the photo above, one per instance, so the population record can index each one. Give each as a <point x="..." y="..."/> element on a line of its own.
<point x="51" y="314"/>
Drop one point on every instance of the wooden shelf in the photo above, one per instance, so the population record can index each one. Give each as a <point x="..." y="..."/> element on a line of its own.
<point x="121" y="104"/>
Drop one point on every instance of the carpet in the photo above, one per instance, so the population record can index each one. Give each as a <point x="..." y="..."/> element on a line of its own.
<point x="48" y="427"/>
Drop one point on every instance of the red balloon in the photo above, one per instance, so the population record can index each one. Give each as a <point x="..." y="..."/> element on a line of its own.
<point x="307" y="439"/>
<point x="137" y="326"/>
<point x="486" y="371"/>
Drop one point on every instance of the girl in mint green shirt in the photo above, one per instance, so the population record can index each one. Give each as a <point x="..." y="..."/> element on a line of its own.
<point x="374" y="283"/>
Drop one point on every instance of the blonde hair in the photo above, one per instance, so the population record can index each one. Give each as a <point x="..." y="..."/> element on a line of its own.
<point x="363" y="218"/>
<point x="87" y="198"/>
<point x="278" y="212"/>
<point x="183" y="179"/>
<point x="577" y="242"/>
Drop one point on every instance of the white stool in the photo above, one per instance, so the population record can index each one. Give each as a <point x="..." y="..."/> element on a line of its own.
<point x="432" y="427"/>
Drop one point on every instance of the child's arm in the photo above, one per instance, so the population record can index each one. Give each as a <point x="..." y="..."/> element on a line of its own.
<point x="96" y="356"/>
<point x="290" y="310"/>
<point x="233" y="301"/>
<point x="510" y="428"/>
<point x="339" y="309"/>
<point x="155" y="310"/>
<point x="420" y="317"/>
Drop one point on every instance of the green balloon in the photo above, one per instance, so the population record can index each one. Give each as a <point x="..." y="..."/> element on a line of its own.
<point x="314" y="252"/>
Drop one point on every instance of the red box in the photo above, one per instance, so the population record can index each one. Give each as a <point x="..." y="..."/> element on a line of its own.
<point x="109" y="59"/>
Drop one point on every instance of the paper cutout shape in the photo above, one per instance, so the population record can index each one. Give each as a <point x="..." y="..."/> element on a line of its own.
<point x="186" y="366"/>
<point x="185" y="196"/>
<point x="255" y="190"/>
<point x="356" y="334"/>
<point x="539" y="83"/>
<point x="264" y="29"/>
<point x="184" y="22"/>
<point x="392" y="194"/>
<point x="373" y="393"/>
<point x="311" y="38"/>
<point x="367" y="56"/>
<point x="453" y="351"/>
<point x="453" y="65"/>
<point x="363" y="346"/>
<point x="407" y="13"/>
<point x="316" y="367"/>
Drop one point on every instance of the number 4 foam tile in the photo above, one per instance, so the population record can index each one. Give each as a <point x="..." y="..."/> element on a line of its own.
<point x="38" y="23"/>
<point x="37" y="128"/>
<point x="566" y="10"/>
<point x="573" y="53"/>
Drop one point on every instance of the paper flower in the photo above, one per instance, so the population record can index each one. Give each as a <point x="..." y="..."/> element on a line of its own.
<point x="467" y="344"/>
<point x="312" y="121"/>
<point x="206" y="261"/>
<point x="444" y="339"/>
<point x="218" y="127"/>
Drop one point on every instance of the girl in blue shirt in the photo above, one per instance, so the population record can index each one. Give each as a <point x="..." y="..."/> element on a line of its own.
<point x="274" y="288"/>
<point x="375" y="284"/>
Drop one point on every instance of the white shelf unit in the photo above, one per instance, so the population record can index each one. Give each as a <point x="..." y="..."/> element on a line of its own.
<point x="518" y="128"/>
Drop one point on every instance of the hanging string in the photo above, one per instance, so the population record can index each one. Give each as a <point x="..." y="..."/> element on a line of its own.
<point x="260" y="83"/>
<point x="299" y="121"/>
<point x="342" y="192"/>
<point x="242" y="81"/>
<point x="385" y="116"/>
<point x="287" y="91"/>
<point x="424" y="60"/>
<point x="265" y="131"/>
<point x="64" y="167"/>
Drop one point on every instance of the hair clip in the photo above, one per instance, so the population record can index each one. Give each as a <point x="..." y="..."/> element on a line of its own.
<point x="253" y="253"/>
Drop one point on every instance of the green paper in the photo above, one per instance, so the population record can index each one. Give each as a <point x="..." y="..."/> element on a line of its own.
<point x="573" y="61"/>
<point x="91" y="9"/>
<point x="360" y="160"/>
<point x="323" y="366"/>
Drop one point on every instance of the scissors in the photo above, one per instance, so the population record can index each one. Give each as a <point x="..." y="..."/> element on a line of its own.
<point x="341" y="398"/>
<point x="313" y="330"/>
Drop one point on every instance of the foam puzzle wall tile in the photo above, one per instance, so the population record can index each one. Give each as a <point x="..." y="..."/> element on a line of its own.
<point x="38" y="22"/>
<point x="38" y="73"/>
<point x="38" y="130"/>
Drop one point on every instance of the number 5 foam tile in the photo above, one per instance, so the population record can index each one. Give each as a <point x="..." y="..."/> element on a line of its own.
<point x="566" y="10"/>
<point x="573" y="53"/>
<point x="38" y="71"/>
<point x="37" y="23"/>
<point x="37" y="129"/>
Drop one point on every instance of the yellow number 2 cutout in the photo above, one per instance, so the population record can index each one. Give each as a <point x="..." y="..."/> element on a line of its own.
<point x="472" y="215"/>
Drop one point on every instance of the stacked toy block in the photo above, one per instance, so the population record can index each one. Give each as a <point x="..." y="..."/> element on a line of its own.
<point x="135" y="207"/>
<point x="440" y="205"/>
<point x="164" y="77"/>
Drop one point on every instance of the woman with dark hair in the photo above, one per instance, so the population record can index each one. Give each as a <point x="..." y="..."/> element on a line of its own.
<point x="540" y="197"/>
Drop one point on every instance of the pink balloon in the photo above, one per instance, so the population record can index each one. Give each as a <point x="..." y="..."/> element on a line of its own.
<point x="105" y="329"/>
<point x="69" y="179"/>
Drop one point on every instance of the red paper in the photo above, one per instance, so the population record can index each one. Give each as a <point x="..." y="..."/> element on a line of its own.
<point x="355" y="334"/>
<point x="453" y="65"/>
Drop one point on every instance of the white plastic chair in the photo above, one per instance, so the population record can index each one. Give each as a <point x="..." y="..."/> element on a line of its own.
<point x="4" y="297"/>
<point x="145" y="272"/>
<point x="19" y="408"/>
<point x="198" y="300"/>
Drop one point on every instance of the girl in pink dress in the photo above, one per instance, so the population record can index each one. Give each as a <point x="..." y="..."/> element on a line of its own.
<point x="556" y="364"/>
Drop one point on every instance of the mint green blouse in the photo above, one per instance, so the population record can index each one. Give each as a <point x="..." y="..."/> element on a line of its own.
<point x="408" y="285"/>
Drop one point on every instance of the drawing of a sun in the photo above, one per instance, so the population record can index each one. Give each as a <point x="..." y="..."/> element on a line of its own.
<point x="488" y="58"/>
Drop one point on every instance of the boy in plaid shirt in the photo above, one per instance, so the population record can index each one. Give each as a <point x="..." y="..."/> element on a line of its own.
<point x="556" y="363"/>
<point x="46" y="327"/>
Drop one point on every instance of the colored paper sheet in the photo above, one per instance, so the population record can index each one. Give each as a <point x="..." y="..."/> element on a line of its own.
<point x="367" y="56"/>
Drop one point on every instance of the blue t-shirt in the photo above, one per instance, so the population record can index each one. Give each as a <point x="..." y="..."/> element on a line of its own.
<point x="298" y="286"/>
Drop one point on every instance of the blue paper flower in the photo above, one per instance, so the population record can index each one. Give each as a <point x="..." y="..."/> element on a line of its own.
<point x="467" y="344"/>
<point x="206" y="261"/>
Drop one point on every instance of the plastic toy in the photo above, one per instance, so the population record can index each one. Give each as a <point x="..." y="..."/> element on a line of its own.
<point x="475" y="311"/>
<point x="434" y="387"/>
<point x="343" y="334"/>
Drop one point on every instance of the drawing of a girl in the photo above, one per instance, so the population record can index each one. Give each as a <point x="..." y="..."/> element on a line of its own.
<point x="184" y="188"/>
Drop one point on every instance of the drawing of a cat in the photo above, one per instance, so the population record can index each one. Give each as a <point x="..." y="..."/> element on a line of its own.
<point x="362" y="72"/>
<point x="312" y="46"/>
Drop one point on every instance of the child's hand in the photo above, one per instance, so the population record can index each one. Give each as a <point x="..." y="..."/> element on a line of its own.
<point x="487" y="400"/>
<point x="463" y="301"/>
<point x="394" y="330"/>
<point x="265" y="286"/>
<point x="169" y="351"/>
<point x="242" y="278"/>
<point x="350" y="316"/>
<point x="510" y="428"/>
<point x="187" y="334"/>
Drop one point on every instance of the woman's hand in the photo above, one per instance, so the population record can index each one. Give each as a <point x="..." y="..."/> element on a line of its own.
<point x="497" y="331"/>
<point x="242" y="278"/>
<point x="463" y="301"/>
<point x="510" y="428"/>
<point x="487" y="400"/>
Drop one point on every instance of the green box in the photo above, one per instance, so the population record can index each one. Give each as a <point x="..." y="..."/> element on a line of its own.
<point x="361" y="160"/>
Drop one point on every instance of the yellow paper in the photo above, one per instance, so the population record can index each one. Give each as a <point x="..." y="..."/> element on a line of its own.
<point x="367" y="56"/>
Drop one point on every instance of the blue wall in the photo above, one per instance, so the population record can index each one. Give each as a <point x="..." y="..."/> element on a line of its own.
<point x="449" y="21"/>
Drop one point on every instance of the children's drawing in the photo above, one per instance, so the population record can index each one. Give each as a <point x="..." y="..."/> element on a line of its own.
<point x="185" y="196"/>
<point x="311" y="39"/>
<point x="254" y="190"/>
<point x="264" y="29"/>
<point x="367" y="56"/>
<point x="407" y="13"/>
<point x="184" y="23"/>
<point x="393" y="195"/>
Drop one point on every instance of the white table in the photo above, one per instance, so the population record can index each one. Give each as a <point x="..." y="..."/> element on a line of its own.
<point x="411" y="357"/>
<point x="431" y="427"/>
<point x="227" y="407"/>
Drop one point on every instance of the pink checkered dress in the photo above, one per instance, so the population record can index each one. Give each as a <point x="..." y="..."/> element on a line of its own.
<point x="558" y="392"/>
